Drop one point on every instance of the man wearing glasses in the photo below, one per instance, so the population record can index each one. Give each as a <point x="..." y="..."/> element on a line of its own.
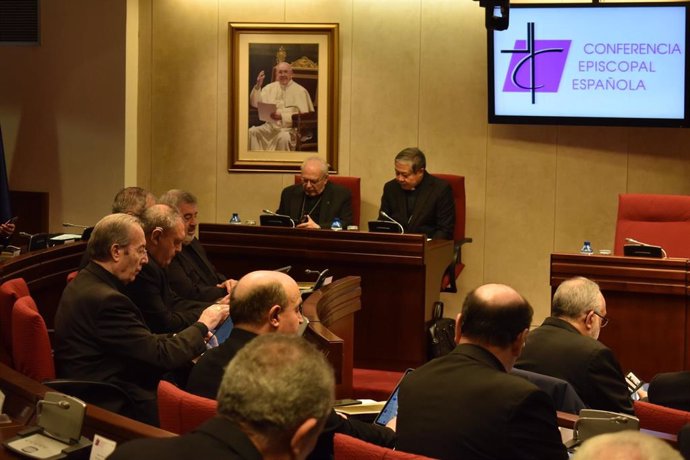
<point x="565" y="346"/>
<point x="316" y="202"/>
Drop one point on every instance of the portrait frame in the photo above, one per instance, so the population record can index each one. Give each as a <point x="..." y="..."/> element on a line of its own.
<point x="321" y="42"/>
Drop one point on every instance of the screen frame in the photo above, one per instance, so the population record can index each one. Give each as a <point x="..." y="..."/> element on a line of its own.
<point x="493" y="118"/>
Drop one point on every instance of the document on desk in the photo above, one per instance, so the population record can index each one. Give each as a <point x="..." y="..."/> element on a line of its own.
<point x="265" y="111"/>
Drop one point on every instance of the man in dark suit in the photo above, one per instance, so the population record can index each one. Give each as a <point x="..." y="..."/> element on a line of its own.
<point x="164" y="310"/>
<point x="191" y="274"/>
<point x="100" y="334"/>
<point x="465" y="404"/>
<point x="418" y="201"/>
<point x="267" y="303"/>
<point x="316" y="202"/>
<point x="273" y="402"/>
<point x="565" y="346"/>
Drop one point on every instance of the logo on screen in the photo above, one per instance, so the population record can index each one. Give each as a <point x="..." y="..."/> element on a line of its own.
<point x="536" y="66"/>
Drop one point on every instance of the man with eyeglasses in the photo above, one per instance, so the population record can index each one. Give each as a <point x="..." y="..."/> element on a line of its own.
<point x="418" y="201"/>
<point x="565" y="346"/>
<point x="316" y="202"/>
<point x="100" y="334"/>
<point x="163" y="309"/>
<point x="191" y="273"/>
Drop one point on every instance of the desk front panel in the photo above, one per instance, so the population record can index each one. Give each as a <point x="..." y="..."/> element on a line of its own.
<point x="400" y="274"/>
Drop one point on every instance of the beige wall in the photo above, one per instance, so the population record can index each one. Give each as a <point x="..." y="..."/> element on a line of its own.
<point x="413" y="72"/>
<point x="62" y="109"/>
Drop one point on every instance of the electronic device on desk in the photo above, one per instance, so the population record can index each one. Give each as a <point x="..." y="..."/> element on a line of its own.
<point x="58" y="433"/>
<point x="593" y="422"/>
<point x="639" y="249"/>
<point x="271" y="219"/>
<point x="389" y="225"/>
<point x="307" y="287"/>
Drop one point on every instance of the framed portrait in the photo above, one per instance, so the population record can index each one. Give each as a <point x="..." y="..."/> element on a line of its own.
<point x="283" y="95"/>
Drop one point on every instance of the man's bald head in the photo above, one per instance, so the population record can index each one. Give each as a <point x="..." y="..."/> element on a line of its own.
<point x="257" y="292"/>
<point x="495" y="314"/>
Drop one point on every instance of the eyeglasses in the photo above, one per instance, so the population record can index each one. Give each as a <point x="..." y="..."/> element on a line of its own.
<point x="604" y="320"/>
<point x="312" y="181"/>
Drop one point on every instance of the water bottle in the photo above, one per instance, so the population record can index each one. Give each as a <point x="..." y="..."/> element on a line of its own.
<point x="586" y="249"/>
<point x="336" y="225"/>
<point x="235" y="219"/>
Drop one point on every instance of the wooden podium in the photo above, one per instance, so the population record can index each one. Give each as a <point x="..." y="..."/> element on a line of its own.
<point x="401" y="277"/>
<point x="647" y="304"/>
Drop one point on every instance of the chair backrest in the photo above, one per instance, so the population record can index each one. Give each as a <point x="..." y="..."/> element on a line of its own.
<point x="346" y="447"/>
<point x="660" y="418"/>
<point x="662" y="220"/>
<point x="180" y="412"/>
<point x="457" y="183"/>
<point x="31" y="350"/>
<point x="353" y="184"/>
<point x="10" y="291"/>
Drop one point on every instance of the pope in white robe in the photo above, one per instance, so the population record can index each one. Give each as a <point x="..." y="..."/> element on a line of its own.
<point x="290" y="98"/>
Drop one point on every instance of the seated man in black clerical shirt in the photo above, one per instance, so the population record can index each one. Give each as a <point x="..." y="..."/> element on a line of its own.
<point x="164" y="311"/>
<point x="316" y="202"/>
<point x="191" y="274"/>
<point x="465" y="404"/>
<point x="273" y="402"/>
<point x="100" y="334"/>
<point x="418" y="201"/>
<point x="565" y="346"/>
<point x="269" y="302"/>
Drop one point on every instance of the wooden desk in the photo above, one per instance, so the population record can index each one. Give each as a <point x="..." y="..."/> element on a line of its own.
<point x="647" y="304"/>
<point x="22" y="393"/>
<point x="401" y="276"/>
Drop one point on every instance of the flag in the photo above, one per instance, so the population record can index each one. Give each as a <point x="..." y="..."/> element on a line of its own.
<point x="5" y="209"/>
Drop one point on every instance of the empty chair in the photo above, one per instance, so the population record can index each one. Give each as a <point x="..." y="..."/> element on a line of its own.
<point x="10" y="291"/>
<point x="180" y="412"/>
<point x="661" y="220"/>
<point x="457" y="183"/>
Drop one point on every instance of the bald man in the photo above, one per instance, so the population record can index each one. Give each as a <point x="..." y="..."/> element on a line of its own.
<point x="465" y="404"/>
<point x="289" y="97"/>
<point x="268" y="302"/>
<point x="262" y="302"/>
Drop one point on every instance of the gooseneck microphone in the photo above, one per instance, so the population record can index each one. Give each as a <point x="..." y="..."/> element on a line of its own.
<point x="630" y="240"/>
<point x="383" y="213"/>
<point x="647" y="245"/>
<point x="271" y="213"/>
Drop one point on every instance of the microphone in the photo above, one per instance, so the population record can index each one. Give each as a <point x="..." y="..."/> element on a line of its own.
<point x="61" y="404"/>
<point x="271" y="213"/>
<point x="647" y="245"/>
<point x="630" y="240"/>
<point x="67" y="224"/>
<point x="27" y="235"/>
<point x="383" y="213"/>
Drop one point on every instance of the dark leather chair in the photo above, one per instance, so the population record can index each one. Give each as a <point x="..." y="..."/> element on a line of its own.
<point x="457" y="183"/>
